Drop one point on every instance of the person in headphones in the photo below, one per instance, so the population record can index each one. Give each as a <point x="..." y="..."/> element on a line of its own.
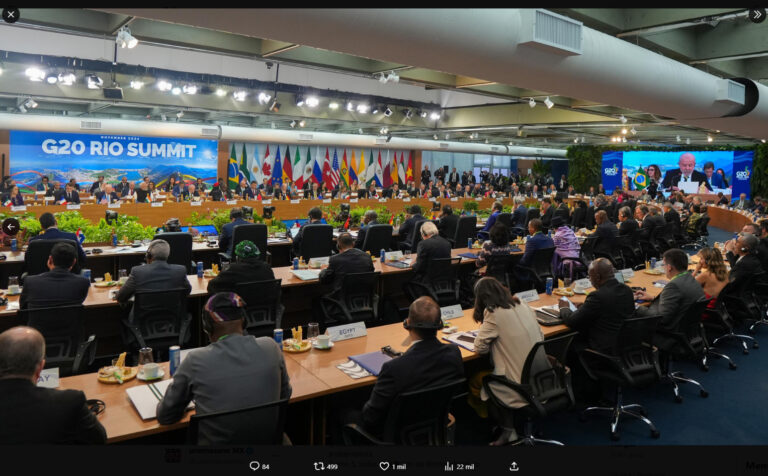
<point x="156" y="275"/>
<point x="742" y="256"/>
<point x="234" y="371"/>
<point x="57" y="287"/>
<point x="228" y="230"/>
<point x="507" y="331"/>
<point x="426" y="363"/>
<point x="248" y="267"/>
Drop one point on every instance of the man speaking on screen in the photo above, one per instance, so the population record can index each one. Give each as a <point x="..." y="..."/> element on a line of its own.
<point x="684" y="174"/>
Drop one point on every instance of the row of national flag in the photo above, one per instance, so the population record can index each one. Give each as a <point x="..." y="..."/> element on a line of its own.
<point x="289" y="164"/>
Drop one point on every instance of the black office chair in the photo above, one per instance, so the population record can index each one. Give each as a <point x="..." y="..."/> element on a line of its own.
<point x="540" y="269"/>
<point x="256" y="425"/>
<point x="505" y="219"/>
<point x="440" y="283"/>
<point x="589" y="218"/>
<point x="160" y="320"/>
<point x="532" y="213"/>
<point x="377" y="237"/>
<point x="634" y="362"/>
<point x="407" y="242"/>
<point x="720" y="320"/>
<point x="181" y="249"/>
<point x="687" y="342"/>
<point x="630" y="252"/>
<point x="577" y="267"/>
<point x="416" y="236"/>
<point x="263" y="309"/>
<point x="317" y="241"/>
<point x="588" y="248"/>
<point x="465" y="229"/>
<point x="355" y="301"/>
<point x="578" y="218"/>
<point x="36" y="257"/>
<point x="255" y="232"/>
<point x="417" y="418"/>
<point x="760" y="295"/>
<point x="500" y="267"/>
<point x="66" y="346"/>
<point x="545" y="383"/>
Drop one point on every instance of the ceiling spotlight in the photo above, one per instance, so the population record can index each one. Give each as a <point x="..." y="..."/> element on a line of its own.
<point x="292" y="124"/>
<point x="135" y="84"/>
<point x="189" y="89"/>
<point x="350" y="106"/>
<point x="709" y="138"/>
<point x="360" y="130"/>
<point x="52" y="78"/>
<point x="124" y="38"/>
<point x="387" y="111"/>
<point x="486" y="141"/>
<point x="35" y="74"/>
<point x="624" y="139"/>
<point x="548" y="102"/>
<point x="312" y="101"/>
<point x="434" y="137"/>
<point x="93" y="81"/>
<point x="333" y="105"/>
<point x="264" y="97"/>
<point x="633" y="131"/>
<point x="389" y="136"/>
<point x="383" y="131"/>
<point x="376" y="109"/>
<point x="176" y="91"/>
<point x="394" y="77"/>
<point x="299" y="100"/>
<point x="532" y="103"/>
<point x="239" y="95"/>
<point x="302" y="123"/>
<point x="22" y="109"/>
<point x="163" y="85"/>
<point x="274" y="106"/>
<point x="30" y="103"/>
<point x="163" y="117"/>
<point x="576" y="140"/>
<point x="677" y="138"/>
<point x="447" y="136"/>
<point x="363" y="108"/>
<point x="408" y="113"/>
<point x="583" y="140"/>
<point x="763" y="141"/>
<point x="624" y="130"/>
<point x="180" y="114"/>
<point x="623" y="119"/>
<point x="434" y="115"/>
<point x="67" y="79"/>
<point x="423" y="114"/>
<point x="382" y="78"/>
<point x="688" y="141"/>
<point x="221" y="93"/>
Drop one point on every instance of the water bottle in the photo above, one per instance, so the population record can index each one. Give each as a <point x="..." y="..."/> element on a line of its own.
<point x="114" y="239"/>
<point x="549" y="286"/>
<point x="653" y="263"/>
<point x="295" y="263"/>
<point x="278" y="335"/>
<point x="199" y="269"/>
<point x="14" y="245"/>
<point x="174" y="357"/>
<point x="383" y="255"/>
<point x="397" y="222"/>
<point x="469" y="243"/>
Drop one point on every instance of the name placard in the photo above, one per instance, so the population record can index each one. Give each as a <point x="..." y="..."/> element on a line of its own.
<point x="195" y="203"/>
<point x="451" y="312"/>
<point x="528" y="296"/>
<point x="393" y="255"/>
<point x="20" y="208"/>
<point x="627" y="273"/>
<point x="407" y="199"/>
<point x="157" y="204"/>
<point x="327" y="200"/>
<point x="382" y="200"/>
<point x="49" y="378"/>
<point x="75" y="206"/>
<point x="352" y="200"/>
<point x="347" y="331"/>
<point x="454" y="199"/>
<point x="478" y="199"/>
<point x="582" y="283"/>
<point x="268" y="202"/>
<point x="114" y="205"/>
<point x="292" y="201"/>
<point x="231" y="202"/>
<point x="48" y="199"/>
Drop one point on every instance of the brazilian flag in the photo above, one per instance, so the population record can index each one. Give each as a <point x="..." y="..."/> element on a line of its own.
<point x="232" y="171"/>
<point x="641" y="179"/>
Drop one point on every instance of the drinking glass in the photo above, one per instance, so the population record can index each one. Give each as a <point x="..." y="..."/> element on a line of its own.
<point x="567" y="282"/>
<point x="313" y="330"/>
<point x="13" y="285"/>
<point x="122" y="276"/>
<point x="145" y="357"/>
<point x="406" y="255"/>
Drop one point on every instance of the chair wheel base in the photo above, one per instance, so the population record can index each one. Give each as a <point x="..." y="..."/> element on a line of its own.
<point x="745" y="351"/>
<point x="704" y="394"/>
<point x="678" y="399"/>
<point x="755" y="345"/>
<point x="655" y="434"/>
<point x="732" y="366"/>
<point x="615" y="435"/>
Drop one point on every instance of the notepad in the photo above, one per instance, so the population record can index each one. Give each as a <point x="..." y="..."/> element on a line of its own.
<point x="146" y="397"/>
<point x="371" y="362"/>
<point x="463" y="339"/>
<point x="306" y="274"/>
<point x="397" y="264"/>
<point x="468" y="255"/>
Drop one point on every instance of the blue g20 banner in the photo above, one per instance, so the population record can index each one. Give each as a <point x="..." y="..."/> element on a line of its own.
<point x="62" y="156"/>
<point x="742" y="173"/>
<point x="612" y="171"/>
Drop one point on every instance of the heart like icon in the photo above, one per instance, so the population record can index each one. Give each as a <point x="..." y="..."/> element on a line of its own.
<point x="384" y="465"/>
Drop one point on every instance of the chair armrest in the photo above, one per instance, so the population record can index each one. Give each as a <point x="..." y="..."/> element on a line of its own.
<point x="86" y="350"/>
<point x="185" y="330"/>
<point x="224" y="256"/>
<point x="353" y="433"/>
<point x="425" y="290"/>
<point x="329" y="300"/>
<point x="135" y="332"/>
<point x="590" y="354"/>
<point x="523" y="390"/>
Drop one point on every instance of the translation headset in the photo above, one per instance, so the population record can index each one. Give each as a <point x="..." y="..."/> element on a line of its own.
<point x="436" y="325"/>
<point x="205" y="321"/>
<point x="96" y="406"/>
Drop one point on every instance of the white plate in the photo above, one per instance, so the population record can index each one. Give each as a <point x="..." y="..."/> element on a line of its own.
<point x="579" y="292"/>
<point x="316" y="346"/>
<point x="161" y="374"/>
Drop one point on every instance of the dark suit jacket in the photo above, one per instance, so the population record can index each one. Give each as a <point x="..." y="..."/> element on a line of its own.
<point x="32" y="415"/>
<point x="742" y="206"/>
<point x="120" y="187"/>
<point x="74" y="197"/>
<point x="606" y="234"/>
<point x="447" y="226"/>
<point x="141" y="196"/>
<point x="627" y="227"/>
<point x="519" y="216"/>
<point x="249" y="193"/>
<point x="185" y="195"/>
<point x="563" y="212"/>
<point x="217" y="194"/>
<point x="546" y="217"/>
<point x="406" y="229"/>
<point x="673" y="301"/>
<point x="673" y="217"/>
<point x="435" y="247"/>
<point x="252" y="269"/>
<point x="156" y="276"/>
<point x="536" y="242"/>
<point x="672" y="178"/>
<point x="56" y="234"/>
<point x="227" y="232"/>
<point x="315" y="195"/>
<point x="351" y="261"/>
<point x="578" y="217"/>
<point x="300" y="236"/>
<point x="743" y="269"/>
<point x="602" y="314"/>
<point x="427" y="363"/>
<point x="112" y="197"/>
<point x="361" y="234"/>
<point x="54" y="288"/>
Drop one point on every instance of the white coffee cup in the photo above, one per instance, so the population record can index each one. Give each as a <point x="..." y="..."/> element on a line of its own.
<point x="323" y="340"/>
<point x="151" y="370"/>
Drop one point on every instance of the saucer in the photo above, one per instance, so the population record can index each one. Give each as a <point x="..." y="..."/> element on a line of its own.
<point x="317" y="346"/>
<point x="160" y="374"/>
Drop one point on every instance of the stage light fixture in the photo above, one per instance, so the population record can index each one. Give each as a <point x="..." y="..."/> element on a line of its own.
<point x="423" y="114"/>
<point x="299" y="100"/>
<point x="350" y="106"/>
<point x="434" y="115"/>
<point x="312" y="101"/>
<point x="624" y="130"/>
<point x="135" y="84"/>
<point x="548" y="102"/>
<point x="677" y="138"/>
<point x="302" y="123"/>
<point x="382" y="78"/>
<point x="124" y="38"/>
<point x="35" y="74"/>
<point x="292" y="124"/>
<point x="189" y="89"/>
<point x="623" y="119"/>
<point x="709" y="138"/>
<point x="532" y="103"/>
<point x="52" y="78"/>
<point x="333" y="105"/>
<point x="264" y="97"/>
<point x="360" y="130"/>
<point x="164" y="86"/>
<point x="387" y="111"/>
<point x="67" y="79"/>
<point x="176" y="91"/>
<point x="239" y="95"/>
<point x="275" y="106"/>
<point x="363" y="108"/>
<point x="434" y="137"/>
<point x="180" y="114"/>
<point x="408" y="113"/>
<point x="688" y="141"/>
<point x="633" y="131"/>
<point x="93" y="81"/>
<point x="221" y="93"/>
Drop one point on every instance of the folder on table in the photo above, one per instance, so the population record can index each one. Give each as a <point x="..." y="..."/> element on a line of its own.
<point x="469" y="255"/>
<point x="372" y="361"/>
<point x="306" y="274"/>
<point x="146" y="397"/>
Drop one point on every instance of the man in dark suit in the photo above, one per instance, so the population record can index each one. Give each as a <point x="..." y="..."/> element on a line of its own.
<point x="251" y="192"/>
<point x="606" y="233"/>
<point x="220" y="192"/>
<point x="69" y="194"/>
<point x="406" y="229"/>
<point x="50" y="232"/>
<point x="107" y="195"/>
<point x="189" y="194"/>
<point x="368" y="219"/>
<point x="432" y="246"/>
<point x="57" y="287"/>
<point x="142" y="192"/>
<point x="33" y="415"/>
<point x="228" y="230"/>
<point x="315" y="215"/>
<point x="627" y="226"/>
<point x="453" y="178"/>
<point x="713" y="180"/>
<point x="266" y="186"/>
<point x="448" y="223"/>
<point x="248" y="267"/>
<point x="123" y="185"/>
<point x="427" y="363"/>
<point x="562" y="184"/>
<point x="520" y="214"/>
<point x="426" y="175"/>
<point x="349" y="260"/>
<point x="156" y="275"/>
<point x="562" y="210"/>
<point x="535" y="242"/>
<point x="314" y="193"/>
<point x="604" y="311"/>
<point x="681" y="291"/>
<point x="97" y="185"/>
<point x="546" y="211"/>
<point x="742" y="203"/>
<point x="742" y="256"/>
<point x="672" y="216"/>
<point x="761" y="248"/>
<point x="685" y="173"/>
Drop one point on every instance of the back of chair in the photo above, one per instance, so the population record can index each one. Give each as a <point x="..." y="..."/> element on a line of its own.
<point x="545" y="374"/>
<point x="465" y="230"/>
<point x="691" y="329"/>
<point x="264" y="311"/>
<point x="532" y="213"/>
<point x="416" y="236"/>
<point x="161" y="318"/>
<point x="256" y="425"/>
<point x="441" y="277"/>
<point x="317" y="241"/>
<point x="419" y="418"/>
<point x="505" y="219"/>
<point x="38" y="251"/>
<point x="633" y="347"/>
<point x="63" y="330"/>
<point x="377" y="237"/>
<point x="255" y="232"/>
<point x="359" y="295"/>
<point x="542" y="263"/>
<point x="181" y="248"/>
<point x="499" y="267"/>
<point x="578" y="218"/>
<point x="589" y="218"/>
<point x="703" y="224"/>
